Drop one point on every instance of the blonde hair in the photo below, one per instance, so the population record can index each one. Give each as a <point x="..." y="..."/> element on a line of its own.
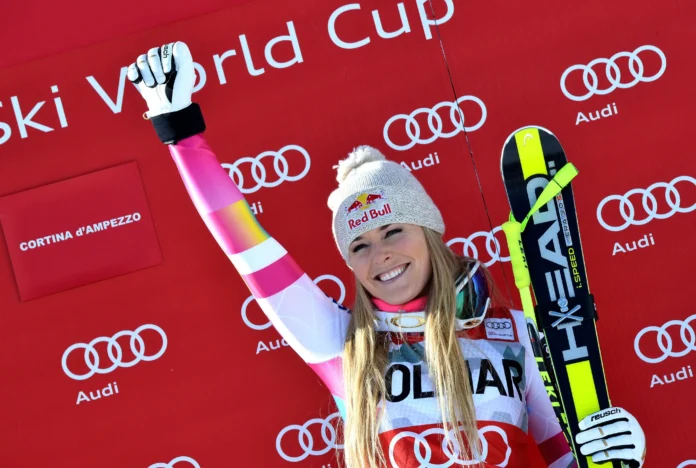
<point x="365" y="360"/>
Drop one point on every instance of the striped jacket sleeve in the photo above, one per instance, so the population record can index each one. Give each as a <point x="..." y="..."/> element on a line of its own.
<point x="312" y="324"/>
<point x="543" y="425"/>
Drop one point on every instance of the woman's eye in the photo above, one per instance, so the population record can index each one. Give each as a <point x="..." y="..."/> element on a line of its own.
<point x="393" y="231"/>
<point x="358" y="248"/>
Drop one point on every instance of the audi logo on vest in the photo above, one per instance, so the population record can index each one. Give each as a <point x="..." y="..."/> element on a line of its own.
<point x="366" y="207"/>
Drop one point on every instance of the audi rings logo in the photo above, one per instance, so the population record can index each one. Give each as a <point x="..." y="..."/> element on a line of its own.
<point x="176" y="463"/>
<point x="304" y="439"/>
<point x="499" y="325"/>
<point x="492" y="246"/>
<point x="435" y="124"/>
<point x="652" y="209"/>
<point x="613" y="73"/>
<point x="423" y="450"/>
<point x="267" y="324"/>
<point x="668" y="347"/>
<point x="114" y="351"/>
<point x="259" y="174"/>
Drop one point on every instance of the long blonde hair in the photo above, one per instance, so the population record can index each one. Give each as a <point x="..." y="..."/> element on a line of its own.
<point x="365" y="361"/>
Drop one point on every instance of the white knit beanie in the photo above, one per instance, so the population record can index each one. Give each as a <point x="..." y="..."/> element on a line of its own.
<point x="373" y="192"/>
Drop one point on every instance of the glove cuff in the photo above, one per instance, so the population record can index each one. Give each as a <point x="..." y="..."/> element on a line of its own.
<point x="175" y="126"/>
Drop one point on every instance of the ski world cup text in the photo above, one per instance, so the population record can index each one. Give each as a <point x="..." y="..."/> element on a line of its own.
<point x="414" y="18"/>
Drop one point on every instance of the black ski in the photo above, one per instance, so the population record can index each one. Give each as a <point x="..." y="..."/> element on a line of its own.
<point x="565" y="309"/>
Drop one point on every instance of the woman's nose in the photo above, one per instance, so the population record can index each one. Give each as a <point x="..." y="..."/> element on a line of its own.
<point x="381" y="255"/>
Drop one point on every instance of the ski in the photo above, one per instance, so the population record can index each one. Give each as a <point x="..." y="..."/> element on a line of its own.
<point x="551" y="248"/>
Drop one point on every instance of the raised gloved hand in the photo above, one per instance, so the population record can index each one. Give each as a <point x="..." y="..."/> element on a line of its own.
<point x="612" y="434"/>
<point x="165" y="77"/>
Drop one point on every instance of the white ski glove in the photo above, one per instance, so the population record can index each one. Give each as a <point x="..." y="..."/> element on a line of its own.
<point x="165" y="77"/>
<point x="612" y="434"/>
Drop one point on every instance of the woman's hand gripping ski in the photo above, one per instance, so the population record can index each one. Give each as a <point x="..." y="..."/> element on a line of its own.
<point x="612" y="434"/>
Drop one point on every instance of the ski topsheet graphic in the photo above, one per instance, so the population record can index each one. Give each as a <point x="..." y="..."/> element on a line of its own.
<point x="533" y="160"/>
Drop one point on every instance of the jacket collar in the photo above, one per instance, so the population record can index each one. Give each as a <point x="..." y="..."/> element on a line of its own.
<point x="415" y="305"/>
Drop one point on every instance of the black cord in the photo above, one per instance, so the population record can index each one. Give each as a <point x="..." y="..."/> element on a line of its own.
<point x="468" y="144"/>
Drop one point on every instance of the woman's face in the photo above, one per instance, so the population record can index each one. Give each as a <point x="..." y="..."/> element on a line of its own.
<point x="392" y="262"/>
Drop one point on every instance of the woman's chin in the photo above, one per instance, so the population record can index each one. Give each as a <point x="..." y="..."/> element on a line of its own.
<point x="397" y="298"/>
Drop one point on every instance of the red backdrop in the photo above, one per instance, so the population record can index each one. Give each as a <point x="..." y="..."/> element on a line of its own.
<point x="190" y="375"/>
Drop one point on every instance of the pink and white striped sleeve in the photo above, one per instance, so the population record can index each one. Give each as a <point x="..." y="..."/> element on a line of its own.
<point x="543" y="424"/>
<point x="312" y="324"/>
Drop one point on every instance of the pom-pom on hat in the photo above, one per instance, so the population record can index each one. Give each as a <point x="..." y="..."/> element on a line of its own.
<point x="373" y="192"/>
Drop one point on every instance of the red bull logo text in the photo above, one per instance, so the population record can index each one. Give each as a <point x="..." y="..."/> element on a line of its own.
<point x="369" y="215"/>
<point x="367" y="205"/>
<point x="364" y="200"/>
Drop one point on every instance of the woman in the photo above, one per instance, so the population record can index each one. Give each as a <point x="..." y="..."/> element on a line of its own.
<point x="473" y="399"/>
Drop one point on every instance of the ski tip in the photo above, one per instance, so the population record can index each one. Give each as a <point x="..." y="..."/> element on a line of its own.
<point x="511" y="140"/>
<point x="511" y="137"/>
<point x="538" y="127"/>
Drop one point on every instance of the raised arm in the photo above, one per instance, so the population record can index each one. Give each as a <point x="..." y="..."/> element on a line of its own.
<point x="312" y="324"/>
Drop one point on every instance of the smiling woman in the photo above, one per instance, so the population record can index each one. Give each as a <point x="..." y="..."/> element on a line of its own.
<point x="392" y="262"/>
<point x="405" y="278"/>
<point x="425" y="370"/>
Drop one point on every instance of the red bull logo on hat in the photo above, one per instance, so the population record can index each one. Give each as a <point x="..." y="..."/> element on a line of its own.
<point x="366" y="207"/>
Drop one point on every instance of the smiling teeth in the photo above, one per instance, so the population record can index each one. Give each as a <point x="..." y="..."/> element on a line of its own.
<point x="392" y="274"/>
